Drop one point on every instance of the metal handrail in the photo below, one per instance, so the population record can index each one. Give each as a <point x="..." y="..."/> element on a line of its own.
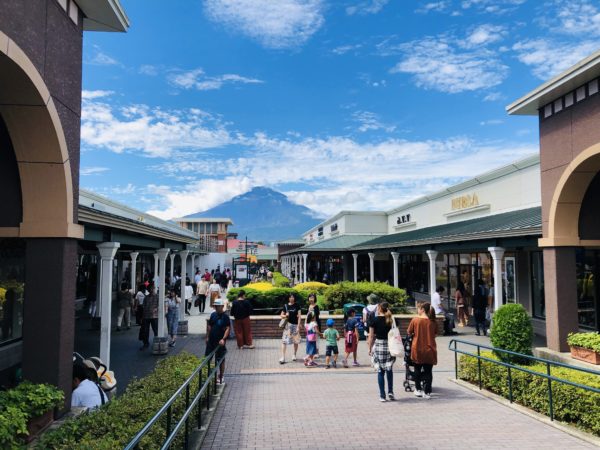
<point x="452" y="346"/>
<point x="203" y="388"/>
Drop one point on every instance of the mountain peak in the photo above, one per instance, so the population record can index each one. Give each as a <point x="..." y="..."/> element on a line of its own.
<point x="264" y="214"/>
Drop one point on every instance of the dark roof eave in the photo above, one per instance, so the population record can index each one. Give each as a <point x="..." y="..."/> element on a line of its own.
<point x="534" y="232"/>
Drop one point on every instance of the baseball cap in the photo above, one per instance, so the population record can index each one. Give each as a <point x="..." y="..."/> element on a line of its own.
<point x="219" y="302"/>
<point x="330" y="322"/>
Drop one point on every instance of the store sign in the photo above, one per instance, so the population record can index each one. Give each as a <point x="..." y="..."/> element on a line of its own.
<point x="403" y="219"/>
<point x="465" y="201"/>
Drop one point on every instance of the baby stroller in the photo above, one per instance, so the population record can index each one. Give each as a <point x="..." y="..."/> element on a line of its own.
<point x="409" y="366"/>
<point x="99" y="373"/>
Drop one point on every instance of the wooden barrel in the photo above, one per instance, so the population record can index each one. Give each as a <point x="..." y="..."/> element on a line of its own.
<point x="160" y="346"/>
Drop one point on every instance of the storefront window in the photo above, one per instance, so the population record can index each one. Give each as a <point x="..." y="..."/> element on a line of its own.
<point x="12" y="289"/>
<point x="537" y="284"/>
<point x="587" y="299"/>
<point x="510" y="278"/>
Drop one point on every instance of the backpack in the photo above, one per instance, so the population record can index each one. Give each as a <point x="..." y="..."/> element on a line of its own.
<point x="349" y="337"/>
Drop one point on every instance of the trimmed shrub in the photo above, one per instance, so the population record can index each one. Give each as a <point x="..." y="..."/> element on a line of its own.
<point x="279" y="280"/>
<point x="571" y="404"/>
<point x="512" y="330"/>
<point x="270" y="301"/>
<point x="117" y="422"/>
<point x="349" y="292"/>
<point x="260" y="286"/>
<point x="312" y="286"/>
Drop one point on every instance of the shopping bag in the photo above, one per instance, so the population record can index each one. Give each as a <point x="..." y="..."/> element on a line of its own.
<point x="395" y="344"/>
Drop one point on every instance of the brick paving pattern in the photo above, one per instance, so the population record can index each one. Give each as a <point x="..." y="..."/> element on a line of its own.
<point x="268" y="406"/>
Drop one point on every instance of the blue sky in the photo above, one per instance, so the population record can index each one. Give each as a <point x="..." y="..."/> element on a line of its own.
<point x="345" y="104"/>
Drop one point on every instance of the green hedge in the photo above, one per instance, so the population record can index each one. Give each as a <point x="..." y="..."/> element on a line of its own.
<point x="279" y="280"/>
<point x="116" y="423"/>
<point x="274" y="298"/>
<point x="571" y="405"/>
<point x="349" y="292"/>
<point x="591" y="341"/>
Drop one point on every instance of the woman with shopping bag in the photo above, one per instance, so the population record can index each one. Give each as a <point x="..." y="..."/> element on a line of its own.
<point x="382" y="359"/>
<point x="423" y="352"/>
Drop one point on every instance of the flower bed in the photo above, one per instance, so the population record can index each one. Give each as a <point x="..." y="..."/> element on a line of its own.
<point x="349" y="292"/>
<point x="117" y="422"/>
<point x="25" y="411"/>
<point x="312" y="286"/>
<point x="571" y="404"/>
<point x="585" y="346"/>
<point x="269" y="301"/>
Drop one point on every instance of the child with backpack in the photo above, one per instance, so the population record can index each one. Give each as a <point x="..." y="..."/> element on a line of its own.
<point x="351" y="338"/>
<point x="311" y="328"/>
<point x="332" y="336"/>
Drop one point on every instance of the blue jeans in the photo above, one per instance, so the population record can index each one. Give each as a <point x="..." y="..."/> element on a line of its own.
<point x="381" y="381"/>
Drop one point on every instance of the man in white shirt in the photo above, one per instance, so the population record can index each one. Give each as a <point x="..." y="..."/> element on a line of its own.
<point x="86" y="393"/>
<point x="436" y="302"/>
<point x="197" y="277"/>
<point x="189" y="293"/>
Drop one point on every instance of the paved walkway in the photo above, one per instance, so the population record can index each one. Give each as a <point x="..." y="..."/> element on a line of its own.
<point x="268" y="406"/>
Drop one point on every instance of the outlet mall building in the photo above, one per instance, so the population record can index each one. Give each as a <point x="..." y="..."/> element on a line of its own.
<point x="534" y="224"/>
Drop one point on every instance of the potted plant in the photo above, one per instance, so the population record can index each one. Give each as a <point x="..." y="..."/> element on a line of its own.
<point x="585" y="346"/>
<point x="34" y="405"/>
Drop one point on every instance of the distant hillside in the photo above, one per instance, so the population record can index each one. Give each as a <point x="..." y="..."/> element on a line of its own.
<point x="264" y="215"/>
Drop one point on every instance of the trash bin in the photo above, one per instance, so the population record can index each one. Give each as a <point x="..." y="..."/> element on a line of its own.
<point x="358" y="308"/>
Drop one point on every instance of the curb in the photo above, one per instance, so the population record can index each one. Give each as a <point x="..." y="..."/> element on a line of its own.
<point x="198" y="434"/>
<point x="564" y="427"/>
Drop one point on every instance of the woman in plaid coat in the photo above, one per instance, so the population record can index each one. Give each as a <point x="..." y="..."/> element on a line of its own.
<point x="382" y="360"/>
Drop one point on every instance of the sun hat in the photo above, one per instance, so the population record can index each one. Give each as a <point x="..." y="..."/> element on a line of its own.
<point x="373" y="298"/>
<point x="330" y="322"/>
<point x="219" y="302"/>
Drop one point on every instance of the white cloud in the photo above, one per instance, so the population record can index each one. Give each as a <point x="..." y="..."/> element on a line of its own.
<point x="339" y="173"/>
<point x="369" y="121"/>
<point x="90" y="95"/>
<point x="574" y="17"/>
<point x="101" y="59"/>
<point x="434" y="7"/>
<point x="484" y="35"/>
<point x="367" y="7"/>
<point x="93" y="170"/>
<point x="343" y="49"/>
<point x="274" y="24"/>
<point x="548" y="58"/>
<point x="148" y="69"/>
<point x="493" y="97"/>
<point x="439" y="64"/>
<point x="150" y="131"/>
<point x="197" y="79"/>
<point x="492" y="6"/>
<point x="484" y="123"/>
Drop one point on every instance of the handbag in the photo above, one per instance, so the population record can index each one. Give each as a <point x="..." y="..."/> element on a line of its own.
<point x="283" y="322"/>
<point x="395" y="345"/>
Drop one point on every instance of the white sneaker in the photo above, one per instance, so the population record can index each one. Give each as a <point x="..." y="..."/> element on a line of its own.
<point x="281" y="361"/>
<point x="382" y="399"/>
<point x="294" y="358"/>
<point x="427" y="396"/>
<point x="418" y="393"/>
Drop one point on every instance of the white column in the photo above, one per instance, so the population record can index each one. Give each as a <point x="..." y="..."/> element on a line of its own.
<point x="107" y="254"/>
<point x="395" y="257"/>
<point x="372" y="266"/>
<point x="134" y="256"/>
<point x="355" y="257"/>
<point x="497" y="255"/>
<point x="162" y="258"/>
<point x="305" y="258"/>
<point x="172" y="271"/>
<point x="183" y="254"/>
<point x="156" y="278"/>
<point x="432" y="257"/>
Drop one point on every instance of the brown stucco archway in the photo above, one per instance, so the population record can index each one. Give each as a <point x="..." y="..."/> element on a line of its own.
<point x="38" y="140"/>
<point x="565" y="209"/>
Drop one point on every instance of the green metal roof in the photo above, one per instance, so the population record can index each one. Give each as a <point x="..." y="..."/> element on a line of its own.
<point x="337" y="243"/>
<point x="515" y="223"/>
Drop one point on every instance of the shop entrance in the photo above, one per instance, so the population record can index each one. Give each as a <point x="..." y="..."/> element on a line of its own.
<point x="588" y="298"/>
